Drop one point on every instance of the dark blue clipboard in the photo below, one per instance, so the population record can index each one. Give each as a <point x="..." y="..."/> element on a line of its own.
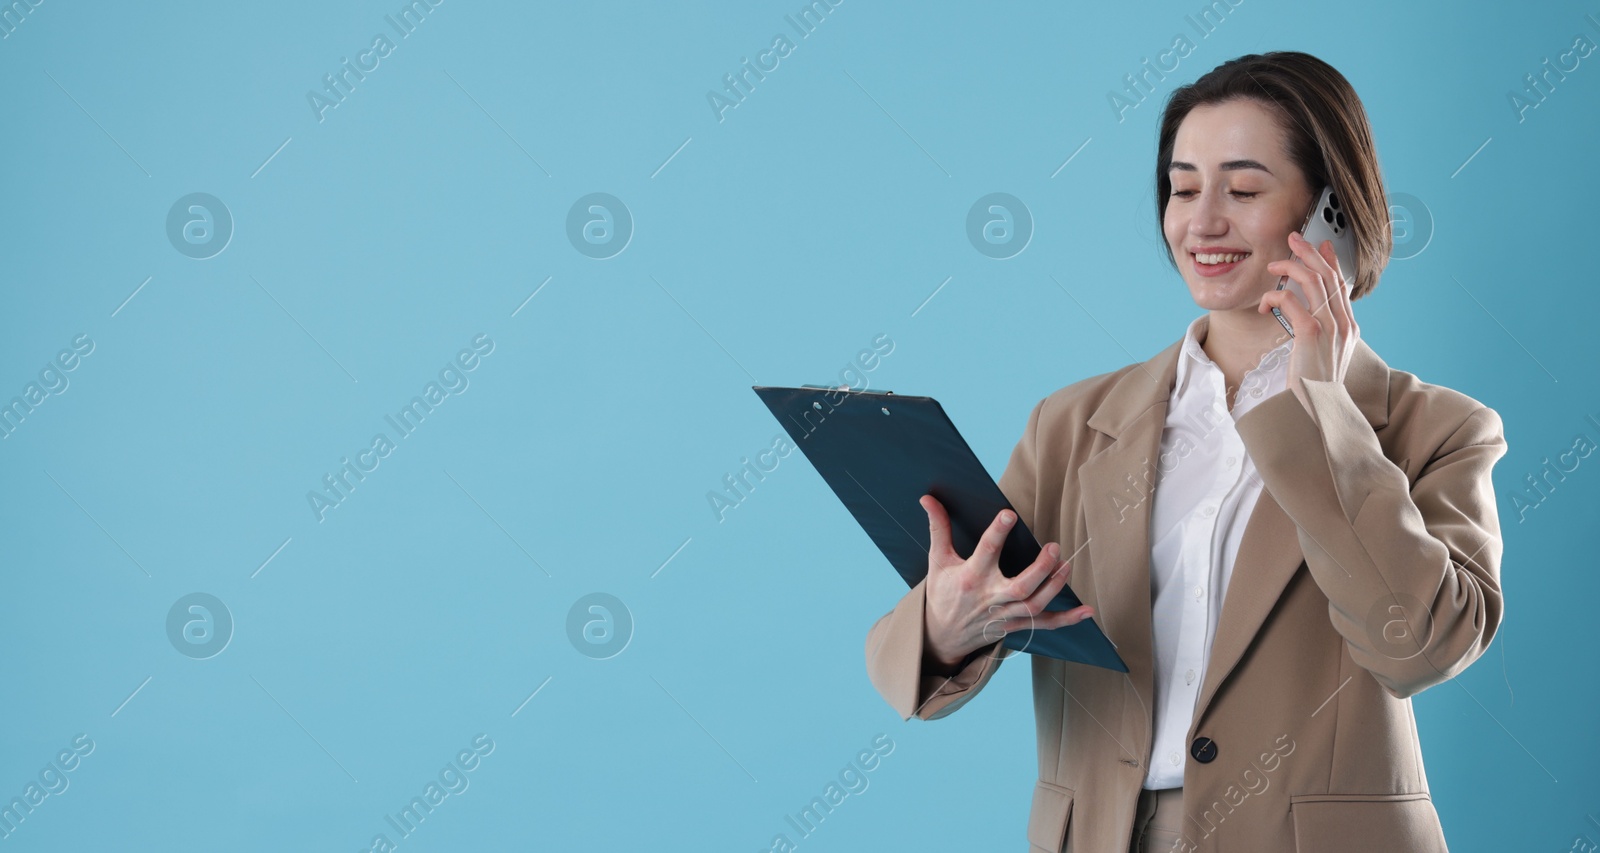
<point x="880" y="452"/>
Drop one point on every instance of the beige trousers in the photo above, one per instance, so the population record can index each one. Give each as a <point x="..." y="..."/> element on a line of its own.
<point x="1158" y="822"/>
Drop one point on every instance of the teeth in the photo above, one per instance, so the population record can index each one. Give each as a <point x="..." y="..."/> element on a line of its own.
<point x="1221" y="259"/>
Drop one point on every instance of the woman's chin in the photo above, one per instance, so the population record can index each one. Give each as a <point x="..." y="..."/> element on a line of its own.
<point x="1225" y="296"/>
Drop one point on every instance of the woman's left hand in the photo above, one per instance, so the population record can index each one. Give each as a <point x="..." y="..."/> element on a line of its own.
<point x="1324" y="336"/>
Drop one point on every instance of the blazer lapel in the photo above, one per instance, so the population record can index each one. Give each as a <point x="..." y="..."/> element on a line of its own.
<point x="1117" y="491"/>
<point x="1269" y="552"/>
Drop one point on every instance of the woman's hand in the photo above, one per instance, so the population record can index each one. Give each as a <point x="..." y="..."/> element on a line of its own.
<point x="1324" y="337"/>
<point x="970" y="604"/>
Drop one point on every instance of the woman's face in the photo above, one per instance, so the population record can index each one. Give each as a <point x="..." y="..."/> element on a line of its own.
<point x="1234" y="191"/>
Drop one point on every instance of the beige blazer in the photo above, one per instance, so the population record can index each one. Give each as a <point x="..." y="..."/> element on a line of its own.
<point x="1368" y="571"/>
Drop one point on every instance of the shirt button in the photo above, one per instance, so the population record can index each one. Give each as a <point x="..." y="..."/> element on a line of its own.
<point x="1198" y="592"/>
<point x="1210" y="510"/>
<point x="1203" y="749"/>
<point x="1255" y="393"/>
<point x="1173" y="758"/>
<point x="1189" y="676"/>
<point x="1231" y="460"/>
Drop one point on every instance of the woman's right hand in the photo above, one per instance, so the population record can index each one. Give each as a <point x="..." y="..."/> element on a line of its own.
<point x="970" y="604"/>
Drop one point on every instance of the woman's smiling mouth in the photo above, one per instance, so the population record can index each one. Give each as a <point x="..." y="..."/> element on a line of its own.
<point x="1217" y="263"/>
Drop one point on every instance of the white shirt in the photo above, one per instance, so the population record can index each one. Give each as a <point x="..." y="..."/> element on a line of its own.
<point x="1206" y="487"/>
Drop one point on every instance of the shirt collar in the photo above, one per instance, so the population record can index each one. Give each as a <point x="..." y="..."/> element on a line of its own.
<point x="1191" y="354"/>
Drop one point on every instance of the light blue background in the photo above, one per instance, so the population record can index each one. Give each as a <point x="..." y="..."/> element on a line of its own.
<point x="769" y="248"/>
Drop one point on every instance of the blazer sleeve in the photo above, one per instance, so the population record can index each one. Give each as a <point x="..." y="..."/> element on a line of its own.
<point x="894" y="643"/>
<point x="1411" y="570"/>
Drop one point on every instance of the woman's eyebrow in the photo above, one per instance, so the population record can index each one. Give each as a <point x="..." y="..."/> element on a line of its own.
<point x="1228" y="166"/>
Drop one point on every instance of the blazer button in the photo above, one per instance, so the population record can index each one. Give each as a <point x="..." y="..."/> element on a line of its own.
<point x="1203" y="749"/>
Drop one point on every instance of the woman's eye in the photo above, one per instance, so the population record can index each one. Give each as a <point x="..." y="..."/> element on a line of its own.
<point x="1239" y="193"/>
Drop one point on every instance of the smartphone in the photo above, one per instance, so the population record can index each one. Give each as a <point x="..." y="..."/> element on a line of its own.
<point x="1326" y="221"/>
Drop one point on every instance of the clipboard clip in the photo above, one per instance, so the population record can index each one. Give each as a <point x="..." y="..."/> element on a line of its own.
<point x="847" y="388"/>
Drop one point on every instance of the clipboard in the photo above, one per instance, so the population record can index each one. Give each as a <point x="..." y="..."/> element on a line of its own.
<point x="880" y="452"/>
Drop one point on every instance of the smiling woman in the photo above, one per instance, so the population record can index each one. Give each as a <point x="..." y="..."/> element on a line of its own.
<point x="1319" y="556"/>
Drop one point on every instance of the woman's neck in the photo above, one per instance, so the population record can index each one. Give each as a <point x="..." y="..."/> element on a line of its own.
<point x="1235" y="341"/>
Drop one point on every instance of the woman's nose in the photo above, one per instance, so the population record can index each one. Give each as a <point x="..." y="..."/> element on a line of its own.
<point x="1206" y="216"/>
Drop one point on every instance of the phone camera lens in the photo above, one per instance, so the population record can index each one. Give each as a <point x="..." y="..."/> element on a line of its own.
<point x="1327" y="214"/>
<point x="1341" y="221"/>
<point x="1333" y="200"/>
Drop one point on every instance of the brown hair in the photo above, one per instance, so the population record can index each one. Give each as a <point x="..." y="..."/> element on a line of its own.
<point x="1328" y="134"/>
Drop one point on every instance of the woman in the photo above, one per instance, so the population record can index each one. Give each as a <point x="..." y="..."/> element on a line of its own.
<point x="1320" y="543"/>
